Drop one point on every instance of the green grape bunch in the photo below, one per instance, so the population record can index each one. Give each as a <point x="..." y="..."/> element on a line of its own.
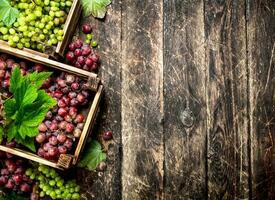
<point x="40" y="23"/>
<point x="52" y="185"/>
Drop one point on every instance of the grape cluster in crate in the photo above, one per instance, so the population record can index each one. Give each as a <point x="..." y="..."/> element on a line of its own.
<point x="38" y="24"/>
<point x="64" y="122"/>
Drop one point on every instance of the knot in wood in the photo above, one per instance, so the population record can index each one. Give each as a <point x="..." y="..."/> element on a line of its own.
<point x="187" y="118"/>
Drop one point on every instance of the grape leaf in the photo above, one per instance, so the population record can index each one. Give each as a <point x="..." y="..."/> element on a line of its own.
<point x="92" y="156"/>
<point x="95" y="7"/>
<point x="1" y="134"/>
<point x="15" y="80"/>
<point x="28" y="107"/>
<point x="10" y="107"/>
<point x="12" y="131"/>
<point x="35" y="119"/>
<point x="8" y="14"/>
<point x="37" y="79"/>
<point x="25" y="131"/>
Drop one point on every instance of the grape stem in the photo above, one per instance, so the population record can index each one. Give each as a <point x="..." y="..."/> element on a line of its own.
<point x="33" y="2"/>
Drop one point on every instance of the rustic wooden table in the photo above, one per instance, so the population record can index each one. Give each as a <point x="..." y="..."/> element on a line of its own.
<point x="190" y="96"/>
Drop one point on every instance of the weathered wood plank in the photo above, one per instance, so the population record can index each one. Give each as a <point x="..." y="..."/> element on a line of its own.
<point x="227" y="104"/>
<point x="142" y="94"/>
<point x="184" y="98"/>
<point x="108" y="185"/>
<point x="261" y="58"/>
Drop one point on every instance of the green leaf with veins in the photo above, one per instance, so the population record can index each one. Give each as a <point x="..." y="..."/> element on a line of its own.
<point x="28" y="107"/>
<point x="12" y="131"/>
<point x="36" y="118"/>
<point x="15" y="80"/>
<point x="37" y="79"/>
<point x="97" y="8"/>
<point x="8" y="14"/>
<point x="92" y="156"/>
<point x="10" y="108"/>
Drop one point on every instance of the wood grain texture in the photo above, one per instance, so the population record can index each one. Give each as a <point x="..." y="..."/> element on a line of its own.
<point x="184" y="100"/>
<point x="107" y="185"/>
<point x="142" y="99"/>
<point x="228" y="163"/>
<point x="261" y="58"/>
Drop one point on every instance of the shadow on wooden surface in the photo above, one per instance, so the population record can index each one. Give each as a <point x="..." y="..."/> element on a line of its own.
<point x="190" y="96"/>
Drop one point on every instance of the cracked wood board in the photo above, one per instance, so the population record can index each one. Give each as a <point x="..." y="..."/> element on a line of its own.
<point x="184" y="100"/>
<point x="142" y="99"/>
<point x="226" y="84"/>
<point x="261" y="58"/>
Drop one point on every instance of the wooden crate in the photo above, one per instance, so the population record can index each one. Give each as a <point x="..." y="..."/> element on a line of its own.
<point x="69" y="28"/>
<point x="67" y="160"/>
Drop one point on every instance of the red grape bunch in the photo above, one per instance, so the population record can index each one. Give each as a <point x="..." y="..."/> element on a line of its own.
<point x="64" y="123"/>
<point x="13" y="174"/>
<point x="82" y="55"/>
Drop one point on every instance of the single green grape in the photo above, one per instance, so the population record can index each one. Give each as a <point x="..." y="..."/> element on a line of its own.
<point x="16" y="38"/>
<point x="66" y="191"/>
<point x="27" y="45"/>
<point x="77" y="189"/>
<point x="46" y="2"/>
<point x="4" y="30"/>
<point x="48" y="26"/>
<point x="28" y="172"/>
<point x="54" y="41"/>
<point x="42" y="37"/>
<point x="20" y="46"/>
<point x="5" y="37"/>
<point x="87" y="41"/>
<point x="52" y="183"/>
<point x="42" y="194"/>
<point x="89" y="36"/>
<point x="11" y="43"/>
<point x="40" y="178"/>
<point x="45" y="188"/>
<point x="41" y="25"/>
<point x="32" y="176"/>
<point x="68" y="3"/>
<point x="52" y="13"/>
<point x="60" y="183"/>
<point x="56" y="21"/>
<point x="25" y="34"/>
<point x="94" y="43"/>
<point x="52" y="194"/>
<point x="68" y="196"/>
<point x="75" y="196"/>
<point x="48" y="192"/>
<point x="11" y="31"/>
<point x="45" y="31"/>
<point x="58" y="191"/>
<point x="59" y="38"/>
<point x="38" y="13"/>
<point x="16" y="24"/>
<point x="60" y="32"/>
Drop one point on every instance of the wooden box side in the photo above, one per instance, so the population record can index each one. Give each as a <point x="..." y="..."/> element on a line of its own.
<point x="29" y="156"/>
<point x="45" y="61"/>
<point x="69" y="27"/>
<point x="90" y="120"/>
